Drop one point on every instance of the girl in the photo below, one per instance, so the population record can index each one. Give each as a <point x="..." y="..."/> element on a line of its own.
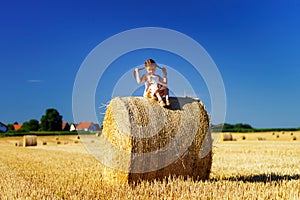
<point x="155" y="86"/>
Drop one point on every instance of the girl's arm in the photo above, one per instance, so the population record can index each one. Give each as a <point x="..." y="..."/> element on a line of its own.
<point x="165" y="79"/>
<point x="137" y="76"/>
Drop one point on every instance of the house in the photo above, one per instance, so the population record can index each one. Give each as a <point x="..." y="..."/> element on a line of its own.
<point x="17" y="126"/>
<point x="98" y="127"/>
<point x="3" y="127"/>
<point x="65" y="126"/>
<point x="72" y="127"/>
<point x="88" y="127"/>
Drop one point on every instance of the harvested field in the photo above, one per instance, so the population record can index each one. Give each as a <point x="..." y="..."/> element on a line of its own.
<point x="242" y="169"/>
<point x="269" y="136"/>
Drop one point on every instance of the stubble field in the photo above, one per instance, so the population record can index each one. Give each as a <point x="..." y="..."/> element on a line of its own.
<point x="255" y="166"/>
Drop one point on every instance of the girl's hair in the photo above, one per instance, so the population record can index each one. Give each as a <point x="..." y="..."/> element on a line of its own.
<point x="149" y="62"/>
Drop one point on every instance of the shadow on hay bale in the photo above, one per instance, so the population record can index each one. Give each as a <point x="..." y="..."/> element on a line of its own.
<point x="29" y="140"/>
<point x="143" y="141"/>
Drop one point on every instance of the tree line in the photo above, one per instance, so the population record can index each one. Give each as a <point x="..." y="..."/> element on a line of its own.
<point x="240" y="127"/>
<point x="51" y="121"/>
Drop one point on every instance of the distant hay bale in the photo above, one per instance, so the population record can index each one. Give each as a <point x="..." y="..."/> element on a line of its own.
<point x="243" y="137"/>
<point x="44" y="143"/>
<point x="292" y="133"/>
<point x="57" y="138"/>
<point x="58" y="142"/>
<point x="277" y="136"/>
<point x="139" y="134"/>
<point x="65" y="142"/>
<point x="19" y="144"/>
<point x="78" y="137"/>
<point x="227" y="137"/>
<point x="29" y="140"/>
<point x="273" y="133"/>
<point x="282" y="132"/>
<point x="76" y="141"/>
<point x="294" y="138"/>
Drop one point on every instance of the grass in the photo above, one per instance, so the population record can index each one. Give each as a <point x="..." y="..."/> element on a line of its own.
<point x="39" y="133"/>
<point x="242" y="169"/>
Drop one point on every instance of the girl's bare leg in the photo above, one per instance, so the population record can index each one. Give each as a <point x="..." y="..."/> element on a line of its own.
<point x="167" y="96"/>
<point x="161" y="102"/>
<point x="167" y="100"/>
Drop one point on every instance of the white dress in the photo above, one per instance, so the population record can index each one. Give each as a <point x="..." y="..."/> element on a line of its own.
<point x="152" y="85"/>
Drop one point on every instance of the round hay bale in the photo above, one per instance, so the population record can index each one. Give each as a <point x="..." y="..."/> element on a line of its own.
<point x="19" y="144"/>
<point x="292" y="133"/>
<point x="294" y="138"/>
<point x="44" y="143"/>
<point x="29" y="140"/>
<point x="143" y="141"/>
<point x="58" y="142"/>
<point x="78" y="137"/>
<point x="243" y="137"/>
<point x="227" y="137"/>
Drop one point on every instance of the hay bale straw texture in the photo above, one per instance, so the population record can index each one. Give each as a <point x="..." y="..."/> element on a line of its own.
<point x="140" y="126"/>
<point x="29" y="140"/>
<point x="227" y="137"/>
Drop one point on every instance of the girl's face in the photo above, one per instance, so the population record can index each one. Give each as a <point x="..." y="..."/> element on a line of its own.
<point x="151" y="69"/>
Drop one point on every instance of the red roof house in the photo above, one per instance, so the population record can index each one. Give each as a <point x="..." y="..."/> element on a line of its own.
<point x="17" y="126"/>
<point x="87" y="126"/>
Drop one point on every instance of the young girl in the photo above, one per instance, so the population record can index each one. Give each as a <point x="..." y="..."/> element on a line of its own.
<point x="155" y="86"/>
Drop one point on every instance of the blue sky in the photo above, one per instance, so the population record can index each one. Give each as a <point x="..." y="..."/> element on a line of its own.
<point x="254" y="44"/>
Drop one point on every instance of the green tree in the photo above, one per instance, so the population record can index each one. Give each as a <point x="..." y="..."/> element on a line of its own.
<point x="228" y="126"/>
<point x="31" y="125"/>
<point x="51" y="121"/>
<point x="242" y="126"/>
<point x="67" y="127"/>
<point x="10" y="127"/>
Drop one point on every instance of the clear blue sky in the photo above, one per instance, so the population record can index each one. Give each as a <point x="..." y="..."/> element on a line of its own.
<point x="255" y="45"/>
